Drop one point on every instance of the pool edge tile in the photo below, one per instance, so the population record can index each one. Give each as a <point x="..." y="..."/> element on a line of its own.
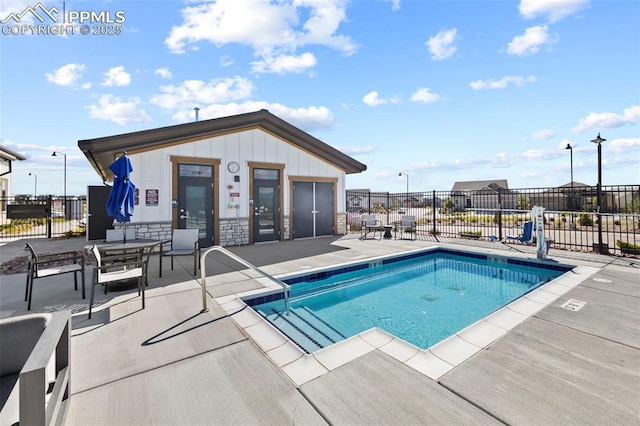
<point x="428" y="364"/>
<point x="265" y="335"/>
<point x="376" y="337"/>
<point x="343" y="352"/>
<point x="399" y="350"/>
<point x="454" y="350"/>
<point x="304" y="369"/>
<point x="285" y="354"/>
<point x="482" y="333"/>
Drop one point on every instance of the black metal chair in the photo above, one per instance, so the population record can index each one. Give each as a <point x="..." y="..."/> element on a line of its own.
<point x="369" y="224"/>
<point x="49" y="265"/>
<point x="406" y="225"/>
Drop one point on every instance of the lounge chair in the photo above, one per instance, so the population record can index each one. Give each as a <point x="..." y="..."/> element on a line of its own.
<point x="407" y="224"/>
<point x="369" y="224"/>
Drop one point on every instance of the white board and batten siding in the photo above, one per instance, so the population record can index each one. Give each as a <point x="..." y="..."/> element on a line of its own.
<point x="152" y="170"/>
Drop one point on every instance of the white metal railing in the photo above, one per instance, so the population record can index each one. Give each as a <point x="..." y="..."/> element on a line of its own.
<point x="238" y="259"/>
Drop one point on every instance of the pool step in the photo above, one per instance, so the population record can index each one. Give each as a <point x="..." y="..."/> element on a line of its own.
<point x="305" y="328"/>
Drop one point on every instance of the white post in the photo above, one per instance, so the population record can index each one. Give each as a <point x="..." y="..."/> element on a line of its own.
<point x="537" y="215"/>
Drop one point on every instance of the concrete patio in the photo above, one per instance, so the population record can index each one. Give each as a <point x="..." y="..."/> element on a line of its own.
<point x="173" y="364"/>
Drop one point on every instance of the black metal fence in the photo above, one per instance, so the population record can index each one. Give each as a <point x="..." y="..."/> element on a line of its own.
<point x="572" y="218"/>
<point x="43" y="216"/>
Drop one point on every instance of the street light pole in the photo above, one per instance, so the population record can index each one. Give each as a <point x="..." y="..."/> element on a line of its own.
<point x="35" y="184"/>
<point x="64" y="202"/>
<point x="404" y="174"/>
<point x="598" y="140"/>
<point x="571" y="204"/>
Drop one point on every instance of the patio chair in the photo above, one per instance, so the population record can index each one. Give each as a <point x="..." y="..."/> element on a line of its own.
<point x="49" y="265"/>
<point x="527" y="234"/>
<point x="117" y="234"/>
<point x="184" y="242"/>
<point x="407" y="224"/>
<point x="113" y="268"/>
<point x="369" y="224"/>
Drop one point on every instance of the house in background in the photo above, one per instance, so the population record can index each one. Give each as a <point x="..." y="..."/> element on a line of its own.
<point x="241" y="179"/>
<point x="7" y="157"/>
<point x="483" y="194"/>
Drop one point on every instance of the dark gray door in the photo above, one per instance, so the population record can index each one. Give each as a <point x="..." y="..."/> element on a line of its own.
<point x="266" y="205"/>
<point x="302" y="210"/>
<point x="313" y="209"/>
<point x="195" y="200"/>
<point x="98" y="221"/>
<point x="324" y="208"/>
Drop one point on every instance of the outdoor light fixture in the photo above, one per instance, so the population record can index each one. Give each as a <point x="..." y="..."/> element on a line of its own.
<point x="64" y="202"/>
<point x="404" y="174"/>
<point x="598" y="140"/>
<point x="35" y="185"/>
<point x="571" y="206"/>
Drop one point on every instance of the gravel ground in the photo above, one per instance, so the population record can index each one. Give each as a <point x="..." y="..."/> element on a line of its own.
<point x="20" y="264"/>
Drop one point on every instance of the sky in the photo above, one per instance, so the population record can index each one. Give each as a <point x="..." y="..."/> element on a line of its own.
<point x="440" y="91"/>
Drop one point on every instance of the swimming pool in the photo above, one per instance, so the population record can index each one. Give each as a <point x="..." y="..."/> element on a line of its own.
<point x="422" y="297"/>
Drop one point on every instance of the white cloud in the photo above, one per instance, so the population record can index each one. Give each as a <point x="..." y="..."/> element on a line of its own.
<point x="543" y="135"/>
<point x="373" y="99"/>
<point x="272" y="29"/>
<point x="66" y="75"/>
<point x="309" y="119"/>
<point x="285" y="63"/>
<point x="554" y="10"/>
<point x="624" y="146"/>
<point x="198" y="92"/>
<point x="424" y="95"/>
<point x="502" y="83"/>
<point x="356" y="150"/>
<point x="395" y="4"/>
<point x="226" y="61"/>
<point x="530" y="41"/>
<point x="442" y="45"/>
<point x="164" y="73"/>
<point x="113" y="108"/>
<point x="608" y="120"/>
<point x="116" y="76"/>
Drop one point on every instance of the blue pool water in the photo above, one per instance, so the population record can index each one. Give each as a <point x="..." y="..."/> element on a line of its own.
<point x="422" y="298"/>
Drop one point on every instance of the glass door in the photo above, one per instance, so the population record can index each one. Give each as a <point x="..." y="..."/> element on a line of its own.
<point x="195" y="200"/>
<point x="266" y="205"/>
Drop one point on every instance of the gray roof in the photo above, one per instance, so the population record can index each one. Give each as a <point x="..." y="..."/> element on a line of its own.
<point x="475" y="185"/>
<point x="7" y="154"/>
<point x="102" y="151"/>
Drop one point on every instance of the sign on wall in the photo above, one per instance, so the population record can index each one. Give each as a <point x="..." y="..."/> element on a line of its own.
<point x="151" y="197"/>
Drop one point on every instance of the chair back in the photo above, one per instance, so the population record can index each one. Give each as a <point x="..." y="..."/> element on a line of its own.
<point x="527" y="232"/>
<point x="117" y="234"/>
<point x="408" y="220"/>
<point x="96" y="254"/>
<point x="184" y="239"/>
<point x="368" y="219"/>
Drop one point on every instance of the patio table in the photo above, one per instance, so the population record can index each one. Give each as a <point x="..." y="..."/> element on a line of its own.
<point x="138" y="247"/>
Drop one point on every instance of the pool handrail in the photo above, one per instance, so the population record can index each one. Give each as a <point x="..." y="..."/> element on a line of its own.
<point x="203" y="274"/>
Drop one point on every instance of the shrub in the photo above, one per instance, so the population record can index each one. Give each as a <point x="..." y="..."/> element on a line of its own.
<point x="585" y="220"/>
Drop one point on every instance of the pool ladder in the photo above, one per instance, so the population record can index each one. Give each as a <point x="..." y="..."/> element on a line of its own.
<point x="203" y="274"/>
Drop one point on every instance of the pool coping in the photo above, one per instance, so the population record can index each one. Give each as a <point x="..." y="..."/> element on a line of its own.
<point x="433" y="362"/>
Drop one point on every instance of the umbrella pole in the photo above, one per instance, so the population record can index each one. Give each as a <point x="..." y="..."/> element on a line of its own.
<point x="124" y="232"/>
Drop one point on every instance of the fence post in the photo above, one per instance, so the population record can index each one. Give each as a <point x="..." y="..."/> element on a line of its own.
<point x="49" y="216"/>
<point x="433" y="209"/>
<point x="499" y="216"/>
<point x="388" y="206"/>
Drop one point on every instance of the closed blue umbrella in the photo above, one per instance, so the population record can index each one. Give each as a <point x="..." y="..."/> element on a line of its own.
<point x="120" y="204"/>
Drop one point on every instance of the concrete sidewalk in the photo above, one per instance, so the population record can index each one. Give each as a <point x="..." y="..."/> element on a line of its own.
<point x="172" y="364"/>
